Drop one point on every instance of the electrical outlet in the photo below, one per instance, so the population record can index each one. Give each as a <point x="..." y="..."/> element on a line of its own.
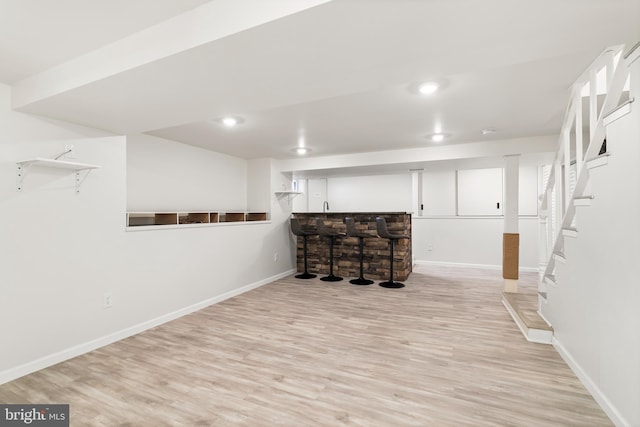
<point x="275" y="257"/>
<point x="70" y="151"/>
<point x="429" y="248"/>
<point x="107" y="301"/>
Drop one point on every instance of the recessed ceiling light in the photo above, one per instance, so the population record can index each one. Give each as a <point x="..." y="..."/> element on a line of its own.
<point x="488" y="131"/>
<point x="229" y="121"/>
<point x="437" y="137"/>
<point x="428" y="88"/>
<point x="302" y="150"/>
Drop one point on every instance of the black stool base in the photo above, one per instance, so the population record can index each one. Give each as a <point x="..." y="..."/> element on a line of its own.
<point x="361" y="281"/>
<point x="392" y="285"/>
<point x="331" y="278"/>
<point x="305" y="276"/>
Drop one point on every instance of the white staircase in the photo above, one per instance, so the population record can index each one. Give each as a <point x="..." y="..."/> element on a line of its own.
<point x="601" y="93"/>
<point x="589" y="234"/>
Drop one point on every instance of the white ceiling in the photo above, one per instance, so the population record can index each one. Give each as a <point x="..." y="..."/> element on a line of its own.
<point x="337" y="73"/>
<point x="38" y="34"/>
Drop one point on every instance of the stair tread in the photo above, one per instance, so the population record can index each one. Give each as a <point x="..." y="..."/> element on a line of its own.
<point x="526" y="306"/>
<point x="600" y="160"/>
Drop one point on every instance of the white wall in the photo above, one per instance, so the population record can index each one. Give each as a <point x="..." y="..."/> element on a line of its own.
<point x="280" y="240"/>
<point x="258" y="188"/>
<point x="167" y="175"/>
<point x="61" y="251"/>
<point x="443" y="189"/>
<point x="595" y="306"/>
<point x="528" y="190"/>
<point x="456" y="240"/>
<point x="317" y="194"/>
<point x="378" y="193"/>
<point x="439" y="195"/>
<point x="471" y="240"/>
<point x="300" y="202"/>
<point x="441" y="237"/>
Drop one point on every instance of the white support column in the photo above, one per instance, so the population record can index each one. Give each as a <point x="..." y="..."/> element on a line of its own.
<point x="511" y="211"/>
<point x="511" y="188"/>
<point x="416" y="200"/>
<point x="416" y="193"/>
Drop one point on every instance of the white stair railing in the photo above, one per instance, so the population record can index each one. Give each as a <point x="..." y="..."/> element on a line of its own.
<point x="598" y="90"/>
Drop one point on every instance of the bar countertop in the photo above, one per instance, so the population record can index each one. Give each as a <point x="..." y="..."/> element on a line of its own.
<point x="352" y="212"/>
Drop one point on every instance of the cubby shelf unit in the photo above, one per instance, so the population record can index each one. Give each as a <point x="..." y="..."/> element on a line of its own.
<point x="145" y="219"/>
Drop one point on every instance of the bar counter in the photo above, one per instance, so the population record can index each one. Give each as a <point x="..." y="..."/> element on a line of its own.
<point x="346" y="252"/>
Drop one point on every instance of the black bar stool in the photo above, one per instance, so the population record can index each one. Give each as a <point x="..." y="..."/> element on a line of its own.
<point x="381" y="225"/>
<point x="297" y="229"/>
<point x="353" y="232"/>
<point x="331" y="234"/>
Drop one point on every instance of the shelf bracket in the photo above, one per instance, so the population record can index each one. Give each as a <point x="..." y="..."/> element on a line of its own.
<point x="288" y="194"/>
<point x="23" y="168"/>
<point x="21" y="171"/>
<point x="80" y="177"/>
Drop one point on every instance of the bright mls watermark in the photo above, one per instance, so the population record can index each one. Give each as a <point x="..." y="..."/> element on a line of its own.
<point x="34" y="415"/>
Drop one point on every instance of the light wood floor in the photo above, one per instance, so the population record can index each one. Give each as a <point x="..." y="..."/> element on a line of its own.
<point x="441" y="352"/>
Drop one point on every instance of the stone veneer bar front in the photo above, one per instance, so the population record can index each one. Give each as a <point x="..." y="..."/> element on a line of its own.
<point x="346" y="252"/>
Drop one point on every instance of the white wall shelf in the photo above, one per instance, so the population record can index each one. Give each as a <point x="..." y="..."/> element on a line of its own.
<point x="24" y="166"/>
<point x="288" y="194"/>
<point x="58" y="164"/>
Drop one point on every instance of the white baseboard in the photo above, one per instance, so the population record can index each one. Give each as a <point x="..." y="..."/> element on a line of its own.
<point x="595" y="391"/>
<point x="77" y="350"/>
<point x="467" y="265"/>
<point x="541" y="314"/>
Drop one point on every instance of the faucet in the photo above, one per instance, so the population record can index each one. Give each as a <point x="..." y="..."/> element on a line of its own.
<point x="325" y="206"/>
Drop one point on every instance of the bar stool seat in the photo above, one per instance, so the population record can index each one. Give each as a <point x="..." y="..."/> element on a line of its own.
<point x="352" y="231"/>
<point x="303" y="232"/>
<point x="381" y="225"/>
<point x="332" y="234"/>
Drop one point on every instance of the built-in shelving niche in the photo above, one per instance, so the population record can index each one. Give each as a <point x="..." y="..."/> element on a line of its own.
<point x="142" y="219"/>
